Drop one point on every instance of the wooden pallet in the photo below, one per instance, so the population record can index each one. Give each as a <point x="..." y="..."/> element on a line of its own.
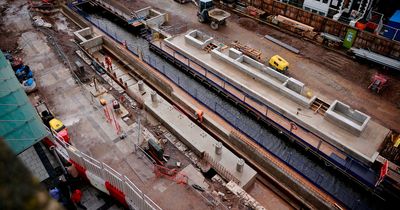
<point x="251" y="52"/>
<point x="319" y="106"/>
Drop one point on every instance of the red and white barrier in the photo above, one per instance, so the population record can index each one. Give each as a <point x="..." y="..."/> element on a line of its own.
<point x="109" y="181"/>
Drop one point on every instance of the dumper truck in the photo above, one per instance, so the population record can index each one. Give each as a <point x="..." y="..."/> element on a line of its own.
<point x="208" y="14"/>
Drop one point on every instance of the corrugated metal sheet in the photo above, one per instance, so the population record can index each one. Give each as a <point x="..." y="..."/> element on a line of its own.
<point x="20" y="125"/>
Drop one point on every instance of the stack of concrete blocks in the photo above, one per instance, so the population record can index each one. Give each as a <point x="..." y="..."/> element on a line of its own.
<point x="89" y="43"/>
<point x="289" y="87"/>
<point x="342" y="115"/>
<point x="198" y="39"/>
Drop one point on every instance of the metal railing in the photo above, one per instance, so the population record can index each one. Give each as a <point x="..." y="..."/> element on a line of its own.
<point x="134" y="197"/>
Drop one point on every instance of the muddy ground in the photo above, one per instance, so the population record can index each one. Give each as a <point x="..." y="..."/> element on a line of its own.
<point x="329" y="74"/>
<point x="60" y="91"/>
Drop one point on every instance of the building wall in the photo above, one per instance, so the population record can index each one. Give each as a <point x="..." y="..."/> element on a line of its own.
<point x="366" y="40"/>
<point x="317" y="6"/>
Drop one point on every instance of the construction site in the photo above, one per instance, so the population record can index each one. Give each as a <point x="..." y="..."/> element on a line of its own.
<point x="181" y="104"/>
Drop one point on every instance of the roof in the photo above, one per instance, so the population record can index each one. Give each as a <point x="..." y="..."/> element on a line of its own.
<point x="395" y="17"/>
<point x="20" y="125"/>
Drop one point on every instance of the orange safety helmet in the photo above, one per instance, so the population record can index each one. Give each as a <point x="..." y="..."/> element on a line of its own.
<point x="199" y="115"/>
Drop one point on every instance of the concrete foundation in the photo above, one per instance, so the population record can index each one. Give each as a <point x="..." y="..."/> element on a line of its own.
<point x="198" y="39"/>
<point x="86" y="39"/>
<point x="268" y="89"/>
<point x="290" y="87"/>
<point x="150" y="17"/>
<point x="194" y="137"/>
<point x="349" y="119"/>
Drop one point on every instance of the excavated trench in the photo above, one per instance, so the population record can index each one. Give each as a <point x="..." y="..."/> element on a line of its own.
<point x="333" y="182"/>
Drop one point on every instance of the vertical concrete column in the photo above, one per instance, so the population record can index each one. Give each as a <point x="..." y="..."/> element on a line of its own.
<point x="218" y="148"/>
<point x="153" y="95"/>
<point x="140" y="85"/>
<point x="240" y="165"/>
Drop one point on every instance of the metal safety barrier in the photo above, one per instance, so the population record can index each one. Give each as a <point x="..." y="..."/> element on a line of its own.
<point x="133" y="195"/>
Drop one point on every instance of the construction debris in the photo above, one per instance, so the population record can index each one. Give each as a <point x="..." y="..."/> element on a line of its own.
<point x="38" y="21"/>
<point x="244" y="196"/>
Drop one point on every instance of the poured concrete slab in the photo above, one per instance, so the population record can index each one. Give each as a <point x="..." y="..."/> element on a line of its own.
<point x="194" y="137"/>
<point x="363" y="147"/>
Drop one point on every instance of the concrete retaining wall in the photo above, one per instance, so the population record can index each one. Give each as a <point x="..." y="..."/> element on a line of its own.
<point x="80" y="34"/>
<point x="92" y="42"/>
<point x="198" y="39"/>
<point x="82" y="23"/>
<point x="234" y="53"/>
<point x="137" y="67"/>
<point x="294" y="85"/>
<point x="278" y="76"/>
<point x="342" y="115"/>
<point x="157" y="21"/>
<point x="290" y="88"/>
<point x="143" y="12"/>
<point x="280" y="175"/>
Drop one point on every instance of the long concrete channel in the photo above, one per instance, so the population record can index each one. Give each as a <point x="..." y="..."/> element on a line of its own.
<point x="354" y="197"/>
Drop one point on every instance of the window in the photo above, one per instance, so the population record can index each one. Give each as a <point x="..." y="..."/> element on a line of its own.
<point x="325" y="1"/>
<point x="307" y="9"/>
<point x="315" y="11"/>
<point x="321" y="13"/>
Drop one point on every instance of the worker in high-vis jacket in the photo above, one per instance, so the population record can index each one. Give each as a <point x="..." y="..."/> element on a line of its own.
<point x="108" y="61"/>
<point x="199" y="115"/>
